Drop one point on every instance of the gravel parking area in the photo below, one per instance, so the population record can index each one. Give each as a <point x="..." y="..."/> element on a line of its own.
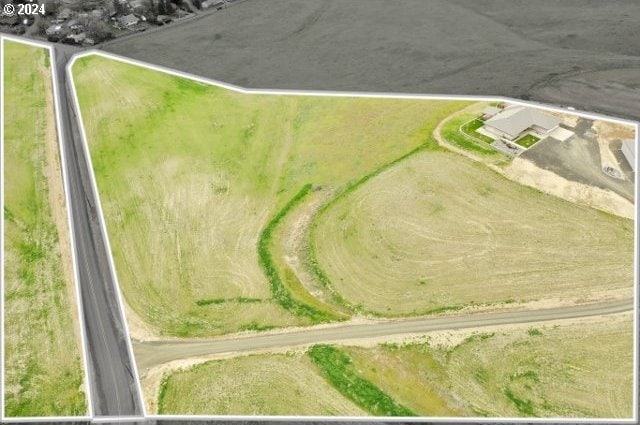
<point x="578" y="160"/>
<point x="578" y="53"/>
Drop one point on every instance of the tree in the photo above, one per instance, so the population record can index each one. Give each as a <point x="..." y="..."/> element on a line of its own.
<point x="120" y="7"/>
<point x="99" y="31"/>
<point x="163" y="7"/>
<point x="51" y="7"/>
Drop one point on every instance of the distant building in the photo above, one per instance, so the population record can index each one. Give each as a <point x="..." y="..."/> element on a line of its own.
<point x="76" y="29"/>
<point x="490" y="112"/>
<point x="77" y="38"/>
<point x="53" y="30"/>
<point x="515" y="121"/>
<point x="65" y="14"/>
<point x="629" y="152"/>
<point x="128" y="20"/>
<point x="163" y="19"/>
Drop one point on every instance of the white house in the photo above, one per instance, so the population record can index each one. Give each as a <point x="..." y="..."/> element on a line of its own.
<point x="515" y="121"/>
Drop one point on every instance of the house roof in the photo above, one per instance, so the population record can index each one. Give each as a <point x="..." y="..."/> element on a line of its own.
<point x="53" y="29"/>
<point x="491" y="110"/>
<point x="128" y="20"/>
<point x="516" y="119"/>
<point x="64" y="13"/>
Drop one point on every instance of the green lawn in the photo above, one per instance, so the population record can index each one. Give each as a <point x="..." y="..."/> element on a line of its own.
<point x="528" y="140"/>
<point x="471" y="128"/>
<point x="42" y="362"/>
<point x="452" y="134"/>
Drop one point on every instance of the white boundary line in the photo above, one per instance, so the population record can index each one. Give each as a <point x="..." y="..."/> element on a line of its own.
<point x="103" y="227"/>
<point x="363" y="95"/>
<point x="88" y="396"/>
<point x="328" y="93"/>
<point x="2" y="361"/>
<point x="636" y="281"/>
<point x="356" y="95"/>
<point x="117" y="419"/>
<point x="410" y="419"/>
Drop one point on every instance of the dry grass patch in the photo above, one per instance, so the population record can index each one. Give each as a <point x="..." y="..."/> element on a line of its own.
<point x="270" y="384"/>
<point x="437" y="232"/>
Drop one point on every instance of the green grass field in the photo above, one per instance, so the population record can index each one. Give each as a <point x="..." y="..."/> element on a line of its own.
<point x="190" y="176"/>
<point x="568" y="370"/>
<point x="464" y="235"/>
<point x="338" y="370"/>
<point x="572" y="369"/>
<point x="42" y="365"/>
<point x="269" y="384"/>
<point x="292" y="202"/>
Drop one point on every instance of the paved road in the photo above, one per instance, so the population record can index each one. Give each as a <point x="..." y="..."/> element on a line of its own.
<point x="150" y="354"/>
<point x="113" y="386"/>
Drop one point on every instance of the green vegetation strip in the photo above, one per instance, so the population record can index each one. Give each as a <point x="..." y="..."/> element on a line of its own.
<point x="279" y="291"/>
<point x="339" y="371"/>
<point x="452" y="134"/>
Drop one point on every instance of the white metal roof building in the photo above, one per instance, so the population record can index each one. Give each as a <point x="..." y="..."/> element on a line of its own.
<point x="629" y="152"/>
<point x="515" y="120"/>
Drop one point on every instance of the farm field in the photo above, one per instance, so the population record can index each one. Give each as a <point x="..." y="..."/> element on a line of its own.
<point x="42" y="364"/>
<point x="465" y="235"/>
<point x="197" y="181"/>
<point x="571" y="368"/>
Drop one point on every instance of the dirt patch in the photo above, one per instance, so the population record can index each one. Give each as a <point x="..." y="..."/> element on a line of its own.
<point x="527" y="173"/>
<point x="138" y="329"/>
<point x="610" y="131"/>
<point x="294" y="245"/>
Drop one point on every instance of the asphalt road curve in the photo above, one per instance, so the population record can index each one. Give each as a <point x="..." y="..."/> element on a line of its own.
<point x="150" y="354"/>
<point x="113" y="386"/>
